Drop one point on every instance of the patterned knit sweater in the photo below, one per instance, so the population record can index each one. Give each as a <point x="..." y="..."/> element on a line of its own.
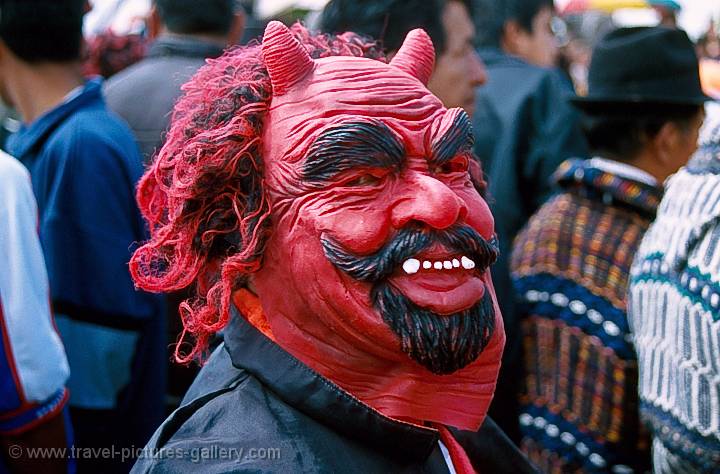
<point x="579" y="406"/>
<point x="674" y="310"/>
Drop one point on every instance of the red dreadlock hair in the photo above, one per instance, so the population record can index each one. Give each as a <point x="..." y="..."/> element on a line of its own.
<point x="203" y="196"/>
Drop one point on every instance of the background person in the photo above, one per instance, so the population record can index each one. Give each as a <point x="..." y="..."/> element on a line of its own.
<point x="33" y="366"/>
<point x="571" y="262"/>
<point x="84" y="165"/>
<point x="673" y="307"/>
<point x="458" y="71"/>
<point x="185" y="33"/>
<point x="524" y="128"/>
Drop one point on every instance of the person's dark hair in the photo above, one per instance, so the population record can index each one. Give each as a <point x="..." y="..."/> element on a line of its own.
<point x="620" y="131"/>
<point x="42" y="30"/>
<point x="388" y="21"/>
<point x="491" y="16"/>
<point x="193" y="17"/>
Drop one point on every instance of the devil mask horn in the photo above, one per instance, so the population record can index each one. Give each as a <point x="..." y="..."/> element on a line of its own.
<point x="286" y="60"/>
<point x="416" y="56"/>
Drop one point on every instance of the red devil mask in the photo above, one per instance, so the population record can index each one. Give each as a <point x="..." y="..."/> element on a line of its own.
<point x="376" y="270"/>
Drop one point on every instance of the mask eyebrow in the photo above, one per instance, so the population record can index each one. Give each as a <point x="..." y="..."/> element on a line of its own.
<point x="458" y="139"/>
<point x="349" y="145"/>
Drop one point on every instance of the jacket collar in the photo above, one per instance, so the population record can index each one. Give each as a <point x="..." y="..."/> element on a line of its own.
<point x="30" y="135"/>
<point x="493" y="56"/>
<point x="184" y="46"/>
<point x="595" y="183"/>
<point x="306" y="390"/>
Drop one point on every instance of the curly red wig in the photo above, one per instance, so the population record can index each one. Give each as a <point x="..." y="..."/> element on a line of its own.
<point x="203" y="196"/>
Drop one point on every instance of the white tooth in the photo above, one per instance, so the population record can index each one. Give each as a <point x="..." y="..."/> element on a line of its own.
<point x="456" y="263"/>
<point x="447" y="264"/>
<point x="427" y="264"/>
<point x="437" y="265"/>
<point x="411" y="265"/>
<point x="467" y="264"/>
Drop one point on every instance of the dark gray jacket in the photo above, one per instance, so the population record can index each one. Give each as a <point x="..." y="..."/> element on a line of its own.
<point x="524" y="128"/>
<point x="256" y="408"/>
<point x="144" y="94"/>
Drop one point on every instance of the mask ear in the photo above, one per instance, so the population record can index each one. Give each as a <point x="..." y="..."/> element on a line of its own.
<point x="416" y="56"/>
<point x="286" y="59"/>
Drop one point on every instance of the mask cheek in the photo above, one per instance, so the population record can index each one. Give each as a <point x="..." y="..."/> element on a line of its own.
<point x="359" y="231"/>
<point x="479" y="216"/>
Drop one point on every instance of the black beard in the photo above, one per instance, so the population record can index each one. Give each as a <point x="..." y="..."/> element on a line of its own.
<point x="441" y="343"/>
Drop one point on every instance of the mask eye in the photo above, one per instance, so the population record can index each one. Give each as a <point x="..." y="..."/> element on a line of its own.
<point x="365" y="178"/>
<point x="456" y="165"/>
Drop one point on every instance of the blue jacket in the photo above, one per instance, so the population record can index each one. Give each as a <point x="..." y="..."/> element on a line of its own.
<point x="84" y="166"/>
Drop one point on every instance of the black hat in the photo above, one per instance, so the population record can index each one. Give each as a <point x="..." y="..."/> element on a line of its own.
<point x="654" y="65"/>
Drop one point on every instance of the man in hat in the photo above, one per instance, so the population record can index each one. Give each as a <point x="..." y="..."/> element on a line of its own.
<point x="84" y="165"/>
<point x="320" y="202"/>
<point x="570" y="264"/>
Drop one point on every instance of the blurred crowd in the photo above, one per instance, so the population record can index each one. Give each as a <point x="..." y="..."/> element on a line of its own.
<point x="591" y="150"/>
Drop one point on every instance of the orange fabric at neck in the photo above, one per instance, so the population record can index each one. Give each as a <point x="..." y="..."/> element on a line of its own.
<point x="249" y="306"/>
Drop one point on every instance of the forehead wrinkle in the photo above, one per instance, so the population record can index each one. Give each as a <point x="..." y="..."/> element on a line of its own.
<point x="301" y="113"/>
<point x="328" y="101"/>
<point x="350" y="66"/>
<point x="303" y="128"/>
<point x="346" y="75"/>
<point x="346" y="87"/>
<point x="365" y="93"/>
<point x="367" y="78"/>
<point x="339" y="101"/>
<point x="345" y="67"/>
<point x="369" y="91"/>
<point x="406" y="133"/>
<point x="285" y="181"/>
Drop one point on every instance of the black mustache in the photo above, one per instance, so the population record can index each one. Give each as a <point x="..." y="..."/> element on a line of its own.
<point x="407" y="243"/>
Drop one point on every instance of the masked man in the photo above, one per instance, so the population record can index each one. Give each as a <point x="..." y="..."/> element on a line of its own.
<point x="321" y="204"/>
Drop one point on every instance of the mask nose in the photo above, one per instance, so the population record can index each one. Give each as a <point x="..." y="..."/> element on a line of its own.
<point x="429" y="201"/>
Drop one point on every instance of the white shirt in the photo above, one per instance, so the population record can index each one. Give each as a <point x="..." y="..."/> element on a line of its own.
<point x="446" y="455"/>
<point x="35" y="352"/>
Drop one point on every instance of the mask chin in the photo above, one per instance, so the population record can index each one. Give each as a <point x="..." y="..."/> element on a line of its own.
<point x="441" y="343"/>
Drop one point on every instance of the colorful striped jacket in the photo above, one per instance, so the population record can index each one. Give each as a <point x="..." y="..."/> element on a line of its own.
<point x="570" y="267"/>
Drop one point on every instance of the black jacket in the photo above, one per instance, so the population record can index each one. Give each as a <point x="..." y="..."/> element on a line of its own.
<point x="524" y="128"/>
<point x="256" y="408"/>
